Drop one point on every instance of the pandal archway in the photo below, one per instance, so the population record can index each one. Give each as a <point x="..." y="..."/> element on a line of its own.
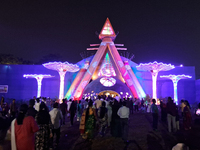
<point x="109" y="92"/>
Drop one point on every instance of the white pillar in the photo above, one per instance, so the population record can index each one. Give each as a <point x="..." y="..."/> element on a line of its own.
<point x="62" y="79"/>
<point x="154" y="74"/>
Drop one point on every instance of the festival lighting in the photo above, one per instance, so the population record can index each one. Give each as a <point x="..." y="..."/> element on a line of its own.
<point x="62" y="68"/>
<point x="107" y="81"/>
<point x="154" y="68"/>
<point x="39" y="78"/>
<point x="175" y="79"/>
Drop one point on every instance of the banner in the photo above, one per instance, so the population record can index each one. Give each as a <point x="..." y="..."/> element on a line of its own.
<point x="3" y="88"/>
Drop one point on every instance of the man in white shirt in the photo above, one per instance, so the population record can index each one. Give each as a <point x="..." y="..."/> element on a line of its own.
<point x="98" y="102"/>
<point x="123" y="113"/>
<point x="37" y="104"/>
<point x="56" y="116"/>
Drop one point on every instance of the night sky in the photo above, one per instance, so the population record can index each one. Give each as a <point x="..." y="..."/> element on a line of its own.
<point x="167" y="31"/>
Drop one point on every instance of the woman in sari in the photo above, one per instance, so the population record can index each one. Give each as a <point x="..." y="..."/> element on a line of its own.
<point x="103" y="119"/>
<point x="187" y="118"/>
<point x="22" y="131"/>
<point x="44" y="134"/>
<point x="87" y="123"/>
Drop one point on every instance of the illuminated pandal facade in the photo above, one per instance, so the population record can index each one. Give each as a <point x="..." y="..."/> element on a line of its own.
<point x="106" y="66"/>
<point x="108" y="73"/>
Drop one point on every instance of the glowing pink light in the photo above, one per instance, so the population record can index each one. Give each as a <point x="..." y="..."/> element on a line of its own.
<point x="39" y="78"/>
<point x="175" y="79"/>
<point x="62" y="68"/>
<point x="154" y="68"/>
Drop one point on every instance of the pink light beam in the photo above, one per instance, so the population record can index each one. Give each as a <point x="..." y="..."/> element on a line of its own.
<point x="175" y="79"/>
<point x="154" y="68"/>
<point x="62" y="68"/>
<point x="39" y="78"/>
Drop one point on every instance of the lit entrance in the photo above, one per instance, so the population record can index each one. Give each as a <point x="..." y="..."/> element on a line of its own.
<point x="109" y="92"/>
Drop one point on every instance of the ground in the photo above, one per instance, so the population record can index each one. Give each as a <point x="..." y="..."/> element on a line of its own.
<point x="141" y="137"/>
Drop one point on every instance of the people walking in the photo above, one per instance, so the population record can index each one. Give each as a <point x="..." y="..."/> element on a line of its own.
<point x="37" y="104"/>
<point x="103" y="118"/>
<point x="72" y="112"/>
<point x="87" y="123"/>
<point x="171" y="114"/>
<point x="56" y="117"/>
<point x="123" y="113"/>
<point x="115" y="120"/>
<point x="187" y="118"/>
<point x="79" y="110"/>
<point x="63" y="108"/>
<point x="31" y="110"/>
<point x="154" y="114"/>
<point x="22" y="130"/>
<point x="109" y="112"/>
<point x="42" y="138"/>
<point x="13" y="109"/>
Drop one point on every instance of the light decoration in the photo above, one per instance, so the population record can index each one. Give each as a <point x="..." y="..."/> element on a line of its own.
<point x="175" y="79"/>
<point x="107" y="29"/>
<point x="39" y="78"/>
<point x="62" y="68"/>
<point x="107" y="81"/>
<point x="107" y="68"/>
<point x="154" y="68"/>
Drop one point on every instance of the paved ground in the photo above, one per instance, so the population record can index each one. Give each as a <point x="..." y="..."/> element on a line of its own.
<point x="141" y="137"/>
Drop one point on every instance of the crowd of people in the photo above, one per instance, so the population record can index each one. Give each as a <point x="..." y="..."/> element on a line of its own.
<point x="35" y="125"/>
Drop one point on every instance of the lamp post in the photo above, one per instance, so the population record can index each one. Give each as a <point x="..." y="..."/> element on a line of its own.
<point x="62" y="68"/>
<point x="39" y="78"/>
<point x="154" y="68"/>
<point x="175" y="79"/>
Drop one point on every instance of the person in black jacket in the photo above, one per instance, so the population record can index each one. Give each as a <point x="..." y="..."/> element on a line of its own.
<point x="72" y="111"/>
<point x="63" y="108"/>
<point x="171" y="114"/>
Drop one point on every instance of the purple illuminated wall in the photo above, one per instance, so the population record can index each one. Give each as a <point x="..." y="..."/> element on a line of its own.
<point x="21" y="88"/>
<point x="186" y="88"/>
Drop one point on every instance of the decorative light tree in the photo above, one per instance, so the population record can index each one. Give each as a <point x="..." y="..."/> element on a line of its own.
<point x="62" y="68"/>
<point x="175" y="79"/>
<point x="39" y="78"/>
<point x="154" y="68"/>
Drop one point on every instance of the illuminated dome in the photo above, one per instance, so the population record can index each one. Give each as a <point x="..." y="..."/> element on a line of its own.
<point x="96" y="86"/>
<point x="107" y="81"/>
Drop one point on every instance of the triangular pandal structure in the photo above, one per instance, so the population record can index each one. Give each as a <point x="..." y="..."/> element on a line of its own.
<point x="107" y="47"/>
<point x="107" y="30"/>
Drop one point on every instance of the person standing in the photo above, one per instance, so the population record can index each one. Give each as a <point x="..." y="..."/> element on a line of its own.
<point x="98" y="103"/>
<point x="31" y="110"/>
<point x="13" y="109"/>
<point x="68" y="107"/>
<point x="63" y="108"/>
<point x="109" y="113"/>
<point x="37" y="104"/>
<point x="44" y="134"/>
<point x="154" y="114"/>
<point x="187" y="118"/>
<point x="72" y="111"/>
<point x="56" y="116"/>
<point x="136" y="104"/>
<point x="171" y="114"/>
<point x="87" y="123"/>
<point x="123" y="113"/>
<point x="103" y="118"/>
<point x="79" y="110"/>
<point x="131" y="106"/>
<point x="115" y="120"/>
<point x="22" y="130"/>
